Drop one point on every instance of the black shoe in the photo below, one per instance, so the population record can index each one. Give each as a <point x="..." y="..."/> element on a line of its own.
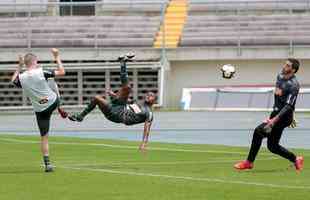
<point x="121" y="58"/>
<point x="130" y="56"/>
<point x="126" y="58"/>
<point x="49" y="168"/>
<point x="75" y="118"/>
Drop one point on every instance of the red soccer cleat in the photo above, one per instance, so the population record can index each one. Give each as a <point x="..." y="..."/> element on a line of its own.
<point x="243" y="165"/>
<point x="299" y="163"/>
<point x="62" y="113"/>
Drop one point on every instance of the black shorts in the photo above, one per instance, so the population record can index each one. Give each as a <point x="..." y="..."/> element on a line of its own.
<point x="115" y="110"/>
<point x="44" y="117"/>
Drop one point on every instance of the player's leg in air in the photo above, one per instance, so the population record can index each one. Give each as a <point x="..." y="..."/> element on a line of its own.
<point x="118" y="100"/>
<point x="53" y="85"/>
<point x="44" y="100"/>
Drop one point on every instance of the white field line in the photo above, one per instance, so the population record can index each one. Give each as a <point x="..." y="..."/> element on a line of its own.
<point x="128" y="147"/>
<point x="133" y="147"/>
<point x="189" y="178"/>
<point x="161" y="175"/>
<point x="159" y="163"/>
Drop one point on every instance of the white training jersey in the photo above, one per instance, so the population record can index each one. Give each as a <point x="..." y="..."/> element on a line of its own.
<point x="36" y="88"/>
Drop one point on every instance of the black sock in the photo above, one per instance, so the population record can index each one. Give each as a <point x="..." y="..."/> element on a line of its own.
<point x="124" y="74"/>
<point x="46" y="160"/>
<point x="91" y="106"/>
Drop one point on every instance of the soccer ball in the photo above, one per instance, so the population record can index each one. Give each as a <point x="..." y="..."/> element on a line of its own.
<point x="228" y="71"/>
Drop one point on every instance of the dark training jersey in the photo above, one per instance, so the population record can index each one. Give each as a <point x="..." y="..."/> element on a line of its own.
<point x="137" y="113"/>
<point x="286" y="92"/>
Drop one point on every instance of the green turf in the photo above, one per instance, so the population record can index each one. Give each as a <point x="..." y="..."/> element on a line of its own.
<point x="88" y="170"/>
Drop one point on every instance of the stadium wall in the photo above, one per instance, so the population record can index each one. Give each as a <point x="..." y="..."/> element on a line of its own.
<point x="187" y="74"/>
<point x="192" y="67"/>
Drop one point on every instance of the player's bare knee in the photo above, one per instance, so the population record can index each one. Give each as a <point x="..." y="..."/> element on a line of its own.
<point x="98" y="98"/>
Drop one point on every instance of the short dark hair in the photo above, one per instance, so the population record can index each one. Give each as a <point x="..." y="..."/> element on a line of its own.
<point x="295" y="64"/>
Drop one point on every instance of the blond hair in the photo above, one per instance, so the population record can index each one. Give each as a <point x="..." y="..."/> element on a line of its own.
<point x="29" y="58"/>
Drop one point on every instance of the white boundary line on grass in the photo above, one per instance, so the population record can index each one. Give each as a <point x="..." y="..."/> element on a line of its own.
<point x="159" y="163"/>
<point x="126" y="147"/>
<point x="214" y="180"/>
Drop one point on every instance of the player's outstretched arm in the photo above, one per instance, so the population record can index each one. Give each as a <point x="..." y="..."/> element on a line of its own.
<point x="146" y="134"/>
<point x="60" y="71"/>
<point x="18" y="69"/>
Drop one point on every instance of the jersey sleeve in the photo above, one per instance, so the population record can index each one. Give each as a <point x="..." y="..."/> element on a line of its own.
<point x="16" y="82"/>
<point x="49" y="73"/>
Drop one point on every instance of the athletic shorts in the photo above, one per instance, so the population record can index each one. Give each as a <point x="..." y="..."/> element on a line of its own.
<point x="44" y="118"/>
<point x="115" y="111"/>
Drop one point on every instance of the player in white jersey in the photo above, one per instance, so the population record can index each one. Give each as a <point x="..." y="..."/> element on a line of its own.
<point x="43" y="99"/>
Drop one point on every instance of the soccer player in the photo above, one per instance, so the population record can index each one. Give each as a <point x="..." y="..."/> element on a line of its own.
<point x="43" y="99"/>
<point x="119" y="110"/>
<point x="286" y="92"/>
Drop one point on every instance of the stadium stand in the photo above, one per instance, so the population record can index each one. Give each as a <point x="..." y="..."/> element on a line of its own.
<point x="246" y="30"/>
<point x="241" y="23"/>
<point x="103" y="31"/>
<point x="171" y="28"/>
<point x="115" y="24"/>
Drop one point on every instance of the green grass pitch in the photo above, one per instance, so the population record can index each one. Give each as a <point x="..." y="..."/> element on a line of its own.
<point x="91" y="169"/>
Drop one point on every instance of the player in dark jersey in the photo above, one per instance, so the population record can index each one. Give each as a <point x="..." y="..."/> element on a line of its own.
<point x="119" y="110"/>
<point x="286" y="92"/>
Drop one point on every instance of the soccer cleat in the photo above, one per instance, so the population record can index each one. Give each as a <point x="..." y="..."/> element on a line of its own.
<point x="243" y="165"/>
<point x="75" y="118"/>
<point x="49" y="168"/>
<point x="126" y="58"/>
<point x="299" y="163"/>
<point x="62" y="113"/>
<point x="121" y="58"/>
<point x="130" y="56"/>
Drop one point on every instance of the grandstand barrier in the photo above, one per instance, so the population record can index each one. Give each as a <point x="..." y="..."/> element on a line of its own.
<point x="237" y="99"/>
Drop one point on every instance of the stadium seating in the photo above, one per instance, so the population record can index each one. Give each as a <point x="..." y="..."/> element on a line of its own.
<point x="245" y="23"/>
<point x="231" y="30"/>
<point x="103" y="31"/>
<point x="136" y="23"/>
